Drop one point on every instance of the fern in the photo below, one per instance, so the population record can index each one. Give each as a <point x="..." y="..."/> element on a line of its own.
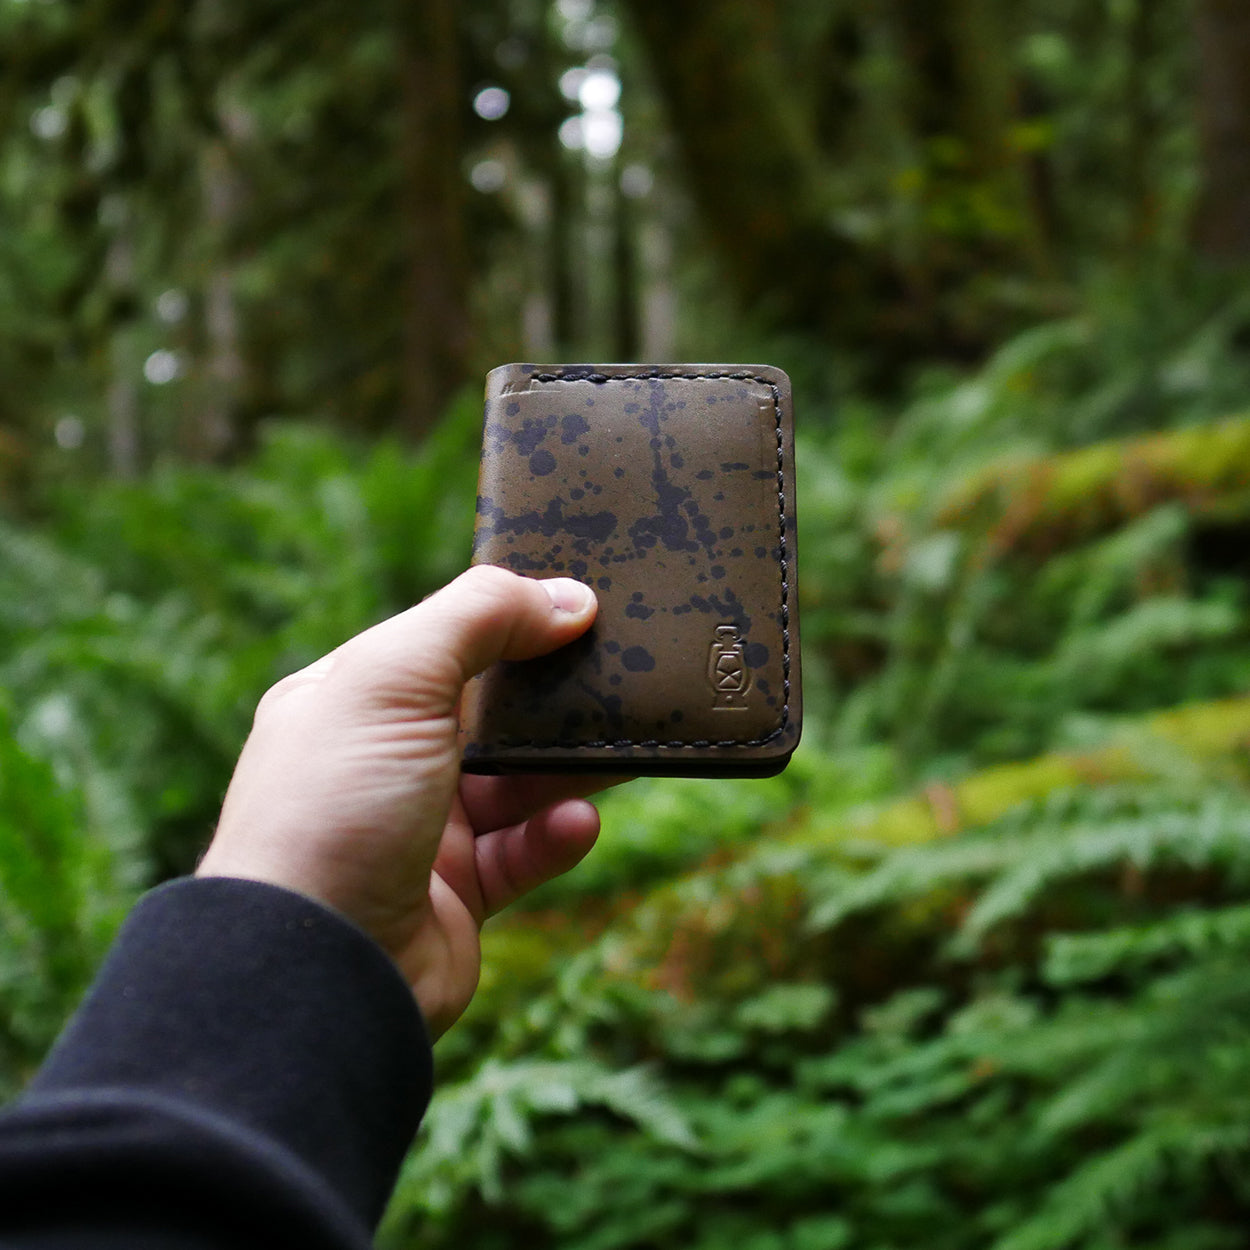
<point x="64" y="887"/>
<point x="1036" y="846"/>
<point x="1075" y="959"/>
<point x="472" y="1128"/>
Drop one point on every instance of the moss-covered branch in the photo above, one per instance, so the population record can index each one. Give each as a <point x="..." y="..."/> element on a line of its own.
<point x="1044" y="503"/>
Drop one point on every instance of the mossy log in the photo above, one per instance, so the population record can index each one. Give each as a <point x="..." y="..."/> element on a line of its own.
<point x="1215" y="735"/>
<point x="1039" y="505"/>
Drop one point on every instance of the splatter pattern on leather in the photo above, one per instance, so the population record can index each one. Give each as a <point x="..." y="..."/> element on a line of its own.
<point x="670" y="491"/>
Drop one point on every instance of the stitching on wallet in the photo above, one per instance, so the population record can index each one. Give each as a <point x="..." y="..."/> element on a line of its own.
<point x="660" y="375"/>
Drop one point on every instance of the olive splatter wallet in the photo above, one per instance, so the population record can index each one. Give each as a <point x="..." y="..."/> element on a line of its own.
<point x="670" y="490"/>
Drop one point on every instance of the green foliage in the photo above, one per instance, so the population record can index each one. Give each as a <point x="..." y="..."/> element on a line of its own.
<point x="67" y="876"/>
<point x="967" y="631"/>
<point x="957" y="1045"/>
<point x="169" y="608"/>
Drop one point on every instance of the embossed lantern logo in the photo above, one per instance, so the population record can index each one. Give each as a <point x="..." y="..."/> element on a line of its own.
<point x="727" y="671"/>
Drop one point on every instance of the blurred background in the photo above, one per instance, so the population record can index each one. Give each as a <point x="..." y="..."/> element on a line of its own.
<point x="975" y="971"/>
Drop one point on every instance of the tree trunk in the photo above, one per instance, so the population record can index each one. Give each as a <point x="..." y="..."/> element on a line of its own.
<point x="215" y="432"/>
<point x="755" y="168"/>
<point x="125" y="437"/>
<point x="1223" y="37"/>
<point x="625" y="319"/>
<point x="437" y="337"/>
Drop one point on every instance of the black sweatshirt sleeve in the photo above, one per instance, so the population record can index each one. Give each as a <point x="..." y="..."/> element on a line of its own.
<point x="247" y="1070"/>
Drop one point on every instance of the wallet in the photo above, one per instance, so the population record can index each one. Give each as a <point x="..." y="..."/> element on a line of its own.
<point x="669" y="489"/>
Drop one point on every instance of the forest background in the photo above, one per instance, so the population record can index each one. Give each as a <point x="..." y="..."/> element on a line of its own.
<point x="972" y="972"/>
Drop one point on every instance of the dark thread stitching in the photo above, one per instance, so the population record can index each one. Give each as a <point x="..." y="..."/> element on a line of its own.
<point x="702" y="744"/>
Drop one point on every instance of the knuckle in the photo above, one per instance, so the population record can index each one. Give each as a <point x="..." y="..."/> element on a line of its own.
<point x="492" y="582"/>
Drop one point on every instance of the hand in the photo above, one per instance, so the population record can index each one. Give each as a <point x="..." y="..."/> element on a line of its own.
<point x="349" y="787"/>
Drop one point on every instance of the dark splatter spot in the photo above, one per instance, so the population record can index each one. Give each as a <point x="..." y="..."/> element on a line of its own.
<point x="718" y="571"/>
<point x="755" y="654"/>
<point x="719" y="496"/>
<point x="760" y="553"/>
<point x="612" y="647"/>
<point x="736" y="554"/>
<point x="529" y="436"/>
<point x="583" y="450"/>
<point x="705" y="475"/>
<point x="637" y="596"/>
<point x="579" y="568"/>
<point x="731" y="466"/>
<point x="604" y="583"/>
<point x="727" y="531"/>
<point x="638" y="611"/>
<point x="577" y="493"/>
<point x="593" y="525"/>
<point x="573" y="427"/>
<point x="762" y="475"/>
<point x="522" y="563"/>
<point x="678" y="460"/>
<point x="542" y="463"/>
<point x="638" y="660"/>
<point x="728" y="609"/>
<point x="618" y="472"/>
<point x="513" y="408"/>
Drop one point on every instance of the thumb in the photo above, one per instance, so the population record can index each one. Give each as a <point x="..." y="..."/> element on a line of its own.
<point x="426" y="654"/>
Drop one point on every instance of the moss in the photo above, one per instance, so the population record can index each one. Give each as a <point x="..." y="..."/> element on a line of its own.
<point x="1037" y="505"/>
<point x="1213" y="735"/>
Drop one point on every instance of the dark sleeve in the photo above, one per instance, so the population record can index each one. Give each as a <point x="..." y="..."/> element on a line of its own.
<point x="247" y="1070"/>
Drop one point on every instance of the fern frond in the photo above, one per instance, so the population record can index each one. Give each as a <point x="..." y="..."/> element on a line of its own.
<point x="1076" y="959"/>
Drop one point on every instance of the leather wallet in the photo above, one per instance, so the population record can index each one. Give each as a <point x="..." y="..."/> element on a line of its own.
<point x="670" y="490"/>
